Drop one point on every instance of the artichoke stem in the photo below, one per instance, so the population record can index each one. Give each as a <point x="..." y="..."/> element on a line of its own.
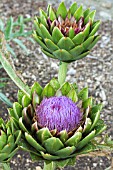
<point x="49" y="165"/>
<point x="62" y="72"/>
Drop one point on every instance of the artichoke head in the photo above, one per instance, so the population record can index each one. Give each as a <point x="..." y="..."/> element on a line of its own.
<point x="66" y="35"/>
<point x="58" y="123"/>
<point x="8" y="140"/>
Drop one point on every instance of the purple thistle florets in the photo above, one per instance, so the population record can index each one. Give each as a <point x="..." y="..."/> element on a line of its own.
<point x="59" y="113"/>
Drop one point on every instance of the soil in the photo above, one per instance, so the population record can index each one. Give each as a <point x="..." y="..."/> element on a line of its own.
<point x="94" y="71"/>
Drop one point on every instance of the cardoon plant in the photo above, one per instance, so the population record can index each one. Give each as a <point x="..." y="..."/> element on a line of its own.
<point x="57" y="122"/>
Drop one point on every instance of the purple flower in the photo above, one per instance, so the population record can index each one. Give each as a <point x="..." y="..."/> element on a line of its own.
<point x="59" y="113"/>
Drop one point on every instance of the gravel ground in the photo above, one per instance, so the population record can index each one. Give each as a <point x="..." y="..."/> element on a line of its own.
<point x="95" y="71"/>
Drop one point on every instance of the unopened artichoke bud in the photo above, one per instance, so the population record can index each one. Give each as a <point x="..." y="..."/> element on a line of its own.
<point x="66" y="35"/>
<point x="58" y="123"/>
<point x="8" y="140"/>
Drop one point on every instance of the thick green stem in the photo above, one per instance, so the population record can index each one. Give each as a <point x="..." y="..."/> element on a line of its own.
<point x="62" y="72"/>
<point x="49" y="166"/>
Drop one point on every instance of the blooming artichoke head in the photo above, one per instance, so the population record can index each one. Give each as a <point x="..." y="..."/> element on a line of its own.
<point x="58" y="123"/>
<point x="8" y="141"/>
<point x="67" y="35"/>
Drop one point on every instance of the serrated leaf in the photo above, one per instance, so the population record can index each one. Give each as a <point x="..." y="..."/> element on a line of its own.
<point x="9" y="27"/>
<point x="5" y="100"/>
<point x="31" y="40"/>
<point x="10" y="50"/>
<point x="21" y="22"/>
<point x="20" y="43"/>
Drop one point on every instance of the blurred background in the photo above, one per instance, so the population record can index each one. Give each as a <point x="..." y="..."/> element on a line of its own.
<point x="94" y="71"/>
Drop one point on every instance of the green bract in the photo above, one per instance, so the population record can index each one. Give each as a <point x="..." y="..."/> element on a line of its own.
<point x="8" y="140"/>
<point x="67" y="35"/>
<point x="49" y="145"/>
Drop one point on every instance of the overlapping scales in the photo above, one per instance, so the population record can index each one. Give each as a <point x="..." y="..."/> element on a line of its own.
<point x="64" y="38"/>
<point x="8" y="140"/>
<point x="52" y="145"/>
